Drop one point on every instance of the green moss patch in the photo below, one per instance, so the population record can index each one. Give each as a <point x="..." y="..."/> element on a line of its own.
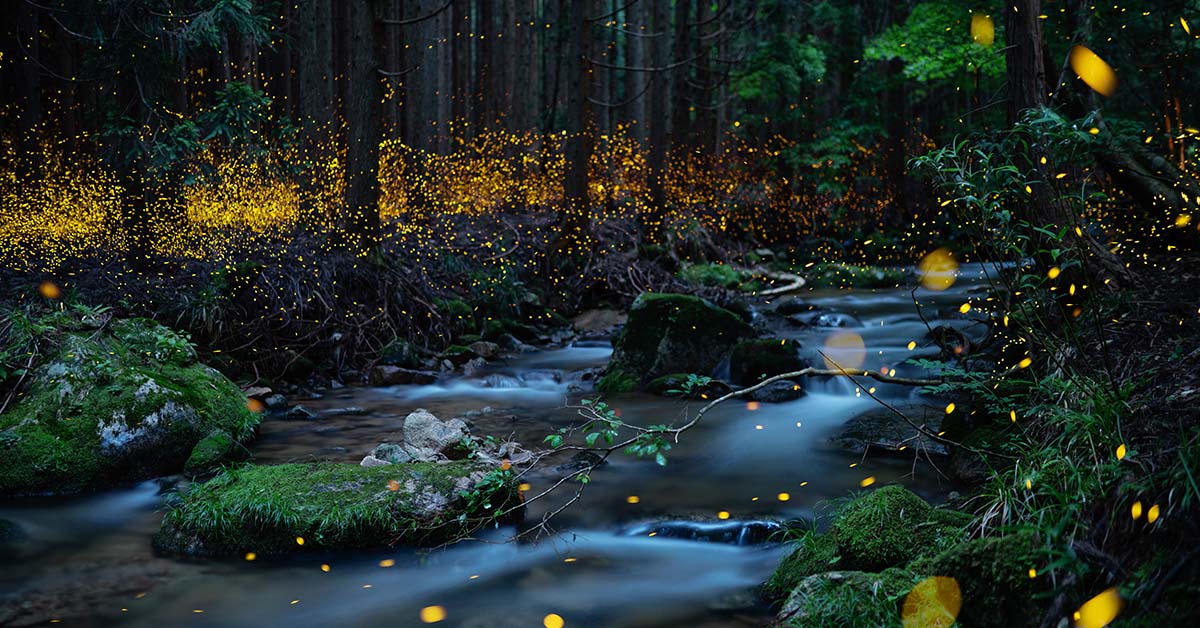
<point x="114" y="404"/>
<point x="848" y="599"/>
<point x="265" y="509"/>
<point x="993" y="574"/>
<point x="887" y="527"/>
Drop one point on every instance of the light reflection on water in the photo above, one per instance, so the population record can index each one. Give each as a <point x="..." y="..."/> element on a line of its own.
<point x="738" y="460"/>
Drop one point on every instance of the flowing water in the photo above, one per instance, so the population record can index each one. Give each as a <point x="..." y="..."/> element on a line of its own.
<point x="662" y="559"/>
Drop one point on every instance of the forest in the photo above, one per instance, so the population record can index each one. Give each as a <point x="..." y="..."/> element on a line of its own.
<point x="600" y="313"/>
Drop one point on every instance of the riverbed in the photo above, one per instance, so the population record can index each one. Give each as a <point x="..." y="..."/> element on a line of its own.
<point x="87" y="560"/>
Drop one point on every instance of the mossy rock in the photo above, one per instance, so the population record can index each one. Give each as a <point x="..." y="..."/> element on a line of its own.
<point x="265" y="509"/>
<point x="670" y="333"/>
<point x="115" y="404"/>
<point x="814" y="554"/>
<point x="885" y="528"/>
<point x="848" y="599"/>
<point x="993" y="574"/>
<point x="755" y="360"/>
<point x="400" y="352"/>
<point x="834" y="275"/>
<point x="212" y="451"/>
<point x="890" y="526"/>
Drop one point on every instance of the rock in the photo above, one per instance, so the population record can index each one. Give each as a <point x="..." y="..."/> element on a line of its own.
<point x="795" y="305"/>
<point x="426" y="436"/>
<point x="372" y="461"/>
<point x="333" y="506"/>
<point x="670" y="333"/>
<point x="663" y="386"/>
<point x="484" y="349"/>
<point x="880" y="430"/>
<point x="457" y="355"/>
<point x="474" y="366"/>
<point x="598" y="321"/>
<point x="347" y="411"/>
<point x="275" y="401"/>
<point x="993" y="575"/>
<point x="299" y="412"/>
<point x="211" y="451"/>
<point x="755" y="360"/>
<point x="778" y="392"/>
<point x="888" y="527"/>
<point x="581" y="461"/>
<point x="257" y="392"/>
<point x="391" y="453"/>
<point x="400" y="352"/>
<point x="124" y="402"/>
<point x="824" y="599"/>
<point x="397" y="376"/>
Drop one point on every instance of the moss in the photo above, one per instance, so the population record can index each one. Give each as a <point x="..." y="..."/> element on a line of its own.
<point x="210" y="451"/>
<point x="993" y="574"/>
<point x="673" y="333"/>
<point x="617" y="380"/>
<point x="848" y="599"/>
<point x="834" y="275"/>
<point x="264" y="509"/>
<point x="887" y="527"/>
<point x="714" y="275"/>
<point x="814" y="554"/>
<point x="755" y="360"/>
<point x="124" y="403"/>
<point x="400" y="352"/>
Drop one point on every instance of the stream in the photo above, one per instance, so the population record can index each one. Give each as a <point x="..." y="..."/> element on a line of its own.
<point x="643" y="547"/>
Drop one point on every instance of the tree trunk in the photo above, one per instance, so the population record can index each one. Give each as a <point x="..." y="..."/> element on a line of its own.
<point x="573" y="222"/>
<point x="362" y="91"/>
<point x="652" y="216"/>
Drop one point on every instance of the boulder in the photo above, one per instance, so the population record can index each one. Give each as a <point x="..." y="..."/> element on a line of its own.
<point x="214" y="449"/>
<point x="755" y="360"/>
<point x="670" y="333"/>
<point x="484" y="349"/>
<point x="778" y="392"/>
<point x="397" y="376"/>
<point x="111" y="404"/>
<point x="888" y="527"/>
<point x="427" y="437"/>
<point x="282" y="509"/>
<point x="400" y="352"/>
<point x="832" y="598"/>
<point x="993" y="574"/>
<point x="881" y="431"/>
<point x="794" y="305"/>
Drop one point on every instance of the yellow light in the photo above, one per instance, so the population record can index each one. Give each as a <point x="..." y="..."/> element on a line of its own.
<point x="432" y="614"/>
<point x="938" y="270"/>
<point x="724" y="514"/>
<point x="1152" y="514"/>
<point x="844" y="349"/>
<point x="1093" y="70"/>
<point x="983" y="30"/>
<point x="299" y="540"/>
<point x="251" y="555"/>
<point x="932" y="602"/>
<point x="949" y="408"/>
<point x="867" y="481"/>
<point x="553" y="621"/>
<point x="783" y="497"/>
<point x="1100" y="610"/>
<point x="1136" y="510"/>
<point x="1121" y="452"/>
<point x="632" y="499"/>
